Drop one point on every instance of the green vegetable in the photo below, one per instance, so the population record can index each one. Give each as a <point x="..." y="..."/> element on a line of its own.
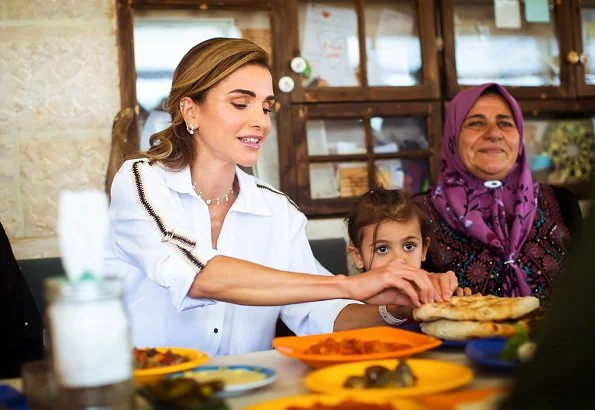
<point x="511" y="349"/>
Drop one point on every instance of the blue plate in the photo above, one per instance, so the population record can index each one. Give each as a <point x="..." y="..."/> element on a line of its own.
<point x="486" y="352"/>
<point x="269" y="376"/>
<point x="414" y="327"/>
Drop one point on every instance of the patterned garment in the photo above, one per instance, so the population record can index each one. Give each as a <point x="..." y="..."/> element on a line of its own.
<point x="482" y="268"/>
<point x="497" y="213"/>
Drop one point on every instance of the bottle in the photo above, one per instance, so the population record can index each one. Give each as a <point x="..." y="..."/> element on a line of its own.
<point x="90" y="344"/>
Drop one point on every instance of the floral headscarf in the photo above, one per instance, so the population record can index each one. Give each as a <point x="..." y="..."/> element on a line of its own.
<point x="500" y="214"/>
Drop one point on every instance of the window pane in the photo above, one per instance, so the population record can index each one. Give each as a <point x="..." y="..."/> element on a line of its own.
<point x="334" y="180"/>
<point x="328" y="41"/>
<point x="392" y="43"/>
<point x="528" y="56"/>
<point x="588" y="27"/>
<point x="398" y="134"/>
<point x="328" y="137"/>
<point x="410" y="175"/>
<point x="560" y="151"/>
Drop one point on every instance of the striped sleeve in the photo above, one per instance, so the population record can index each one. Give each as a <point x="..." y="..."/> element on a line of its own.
<point x="151" y="235"/>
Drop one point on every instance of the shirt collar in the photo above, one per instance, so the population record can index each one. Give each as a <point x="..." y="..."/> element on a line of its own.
<point x="250" y="199"/>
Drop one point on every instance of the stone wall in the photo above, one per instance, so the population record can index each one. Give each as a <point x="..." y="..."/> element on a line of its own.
<point x="60" y="93"/>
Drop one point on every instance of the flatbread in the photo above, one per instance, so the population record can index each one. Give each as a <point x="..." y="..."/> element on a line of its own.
<point x="467" y="329"/>
<point x="477" y="307"/>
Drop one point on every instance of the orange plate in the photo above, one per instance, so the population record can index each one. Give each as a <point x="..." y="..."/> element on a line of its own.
<point x="294" y="346"/>
<point x="450" y="401"/>
<point x="148" y="375"/>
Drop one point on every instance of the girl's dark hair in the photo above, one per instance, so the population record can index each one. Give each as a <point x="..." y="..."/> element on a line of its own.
<point x="380" y="205"/>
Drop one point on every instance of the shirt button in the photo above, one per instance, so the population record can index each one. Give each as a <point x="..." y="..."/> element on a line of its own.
<point x="216" y="330"/>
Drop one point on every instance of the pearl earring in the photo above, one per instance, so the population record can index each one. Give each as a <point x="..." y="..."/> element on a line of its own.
<point x="190" y="128"/>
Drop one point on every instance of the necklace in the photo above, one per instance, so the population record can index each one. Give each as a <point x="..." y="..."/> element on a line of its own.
<point x="216" y="200"/>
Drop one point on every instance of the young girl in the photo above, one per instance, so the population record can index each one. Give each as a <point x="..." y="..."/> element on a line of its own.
<point x="387" y="225"/>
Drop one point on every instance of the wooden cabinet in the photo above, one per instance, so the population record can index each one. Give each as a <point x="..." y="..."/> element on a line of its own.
<point x="368" y="108"/>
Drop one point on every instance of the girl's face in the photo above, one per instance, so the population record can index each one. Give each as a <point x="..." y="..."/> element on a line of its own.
<point x="400" y="241"/>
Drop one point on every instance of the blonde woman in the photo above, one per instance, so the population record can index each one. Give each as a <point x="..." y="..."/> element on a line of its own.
<point x="212" y="256"/>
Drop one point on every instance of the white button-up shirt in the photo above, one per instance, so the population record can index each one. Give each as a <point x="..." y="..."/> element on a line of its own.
<point x="160" y="236"/>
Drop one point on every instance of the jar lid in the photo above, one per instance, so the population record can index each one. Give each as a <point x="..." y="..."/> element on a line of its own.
<point x="61" y="289"/>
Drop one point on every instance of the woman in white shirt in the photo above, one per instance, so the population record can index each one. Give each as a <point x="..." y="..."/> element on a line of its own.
<point x="209" y="253"/>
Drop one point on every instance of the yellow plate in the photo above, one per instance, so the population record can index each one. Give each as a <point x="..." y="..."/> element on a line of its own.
<point x="432" y="376"/>
<point x="310" y="399"/>
<point x="450" y="401"/>
<point x="294" y="346"/>
<point x="148" y="375"/>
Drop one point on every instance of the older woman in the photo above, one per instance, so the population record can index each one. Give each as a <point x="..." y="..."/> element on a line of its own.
<point x="502" y="233"/>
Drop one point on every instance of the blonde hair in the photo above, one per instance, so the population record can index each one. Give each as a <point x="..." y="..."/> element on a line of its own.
<point x="202" y="68"/>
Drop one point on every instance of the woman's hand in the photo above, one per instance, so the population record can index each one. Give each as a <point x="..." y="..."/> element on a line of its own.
<point x="445" y="285"/>
<point x="393" y="284"/>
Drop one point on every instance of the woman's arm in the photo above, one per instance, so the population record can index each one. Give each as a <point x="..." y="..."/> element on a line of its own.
<point x="151" y="235"/>
<point x="242" y="282"/>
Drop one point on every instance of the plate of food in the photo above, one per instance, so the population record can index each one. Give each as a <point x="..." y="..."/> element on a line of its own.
<point x="354" y="345"/>
<point x="500" y="352"/>
<point x="317" y="401"/>
<point x="180" y="393"/>
<point x="389" y="378"/>
<point x="153" y="363"/>
<point x="236" y="379"/>
<point x="488" y="352"/>
<point x="465" y="318"/>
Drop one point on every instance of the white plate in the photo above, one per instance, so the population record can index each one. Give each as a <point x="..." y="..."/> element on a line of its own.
<point x="269" y="374"/>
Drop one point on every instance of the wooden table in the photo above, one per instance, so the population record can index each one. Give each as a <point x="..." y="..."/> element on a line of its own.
<point x="290" y="374"/>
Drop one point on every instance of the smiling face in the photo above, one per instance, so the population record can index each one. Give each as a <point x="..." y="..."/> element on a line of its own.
<point x="401" y="241"/>
<point x="234" y="120"/>
<point x="488" y="142"/>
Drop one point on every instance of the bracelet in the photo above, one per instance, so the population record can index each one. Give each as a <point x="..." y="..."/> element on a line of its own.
<point x="388" y="317"/>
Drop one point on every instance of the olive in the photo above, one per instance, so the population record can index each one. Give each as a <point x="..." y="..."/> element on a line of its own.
<point x="356" y="382"/>
<point x="373" y="372"/>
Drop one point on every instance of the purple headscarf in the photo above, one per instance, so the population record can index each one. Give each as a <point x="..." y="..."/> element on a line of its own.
<point x="500" y="217"/>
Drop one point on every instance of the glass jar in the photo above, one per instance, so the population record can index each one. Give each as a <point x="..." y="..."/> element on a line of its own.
<point x="90" y="346"/>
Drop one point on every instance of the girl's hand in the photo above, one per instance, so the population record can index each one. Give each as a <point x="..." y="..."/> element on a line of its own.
<point x="393" y="284"/>
<point x="445" y="284"/>
<point x="463" y="292"/>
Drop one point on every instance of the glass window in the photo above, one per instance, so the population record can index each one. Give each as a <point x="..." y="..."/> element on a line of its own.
<point x="330" y="137"/>
<point x="560" y="150"/>
<point x="524" y="56"/>
<point x="410" y="175"/>
<point x="392" y="43"/>
<point x="334" y="180"/>
<point x="398" y="134"/>
<point x="329" y="43"/>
